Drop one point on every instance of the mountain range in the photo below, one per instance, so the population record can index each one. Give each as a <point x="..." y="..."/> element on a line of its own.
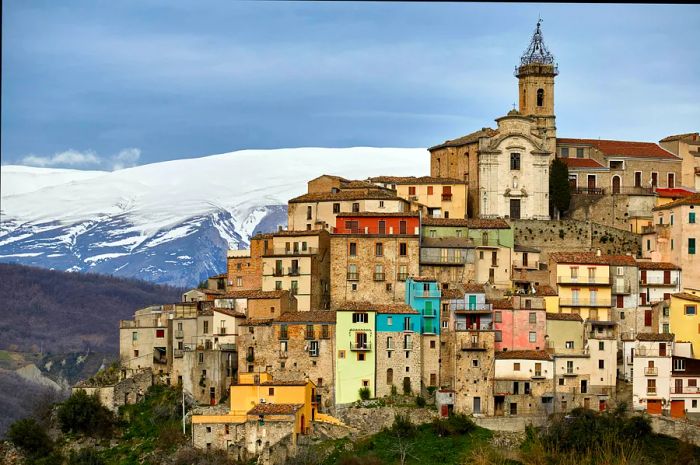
<point x="169" y="222"/>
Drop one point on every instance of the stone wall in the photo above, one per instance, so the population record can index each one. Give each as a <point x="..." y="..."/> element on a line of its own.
<point x="573" y="235"/>
<point x="610" y="210"/>
<point x="127" y="391"/>
<point x="403" y="363"/>
<point x="370" y="421"/>
<point x="680" y="429"/>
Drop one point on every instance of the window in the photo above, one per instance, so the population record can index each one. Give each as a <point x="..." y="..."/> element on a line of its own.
<point x="601" y="364"/>
<point x="637" y="179"/>
<point x="411" y="190"/>
<point x="671" y="180"/>
<point x="616" y="164"/>
<point x="691" y="310"/>
<point x="365" y="383"/>
<point x="403" y="249"/>
<point x="239" y="282"/>
<point x="678" y="364"/>
<point x="206" y="327"/>
<point x="353" y="249"/>
<point x="565" y="152"/>
<point x="135" y="335"/>
<point x="497" y="317"/>
<point x="533" y="336"/>
<point x="313" y="348"/>
<point x="655" y="179"/>
<point x="514" y="161"/>
<point x="432" y="344"/>
<point x="430" y="190"/>
<point x="336" y="208"/>
<point x="601" y="345"/>
<point x="341" y="354"/>
<point x="569" y="344"/>
<point x="433" y="233"/>
<point x="381" y="204"/>
<point x="540" y="97"/>
<point x="356" y="207"/>
<point x="390" y="376"/>
<point x="475" y="363"/>
<point x="533" y="317"/>
<point x="136" y="353"/>
<point x="516" y="366"/>
<point x="271" y="391"/>
<point x="691" y="246"/>
<point x="379" y="249"/>
<point x="360" y="318"/>
<point x="498" y="336"/>
<point x="278" y="285"/>
<point x="651" y="386"/>
<point x="353" y="226"/>
<point x="360" y="356"/>
<point x="579" y="152"/>
<point x="407" y="326"/>
<point x="691" y="217"/>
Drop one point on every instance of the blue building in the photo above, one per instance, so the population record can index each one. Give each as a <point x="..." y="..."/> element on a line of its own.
<point x="423" y="295"/>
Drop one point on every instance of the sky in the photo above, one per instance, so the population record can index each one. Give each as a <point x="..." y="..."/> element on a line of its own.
<point x="105" y="85"/>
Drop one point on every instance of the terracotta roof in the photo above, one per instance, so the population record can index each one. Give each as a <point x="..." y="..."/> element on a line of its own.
<point x="218" y="276"/>
<point x="423" y="279"/>
<point x="649" y="265"/>
<point x="379" y="308"/>
<point x="472" y="223"/>
<point x="582" y="163"/>
<point x="525" y="248"/>
<point x="666" y="192"/>
<point x="275" y="409"/>
<point x="377" y="214"/>
<point x="452" y="294"/>
<point x="209" y="291"/>
<point x="652" y="337"/>
<point x="688" y="135"/>
<point x="293" y="382"/>
<point x="229" y="312"/>
<point x="473" y="288"/>
<point x="257" y="294"/>
<point x="447" y="242"/>
<point x="314" y="316"/>
<point x="415" y="180"/>
<point x="505" y="304"/>
<point x="301" y="232"/>
<point x="468" y="139"/>
<point x="687" y="296"/>
<point x="256" y="322"/>
<point x="622" y="148"/>
<point x="368" y="194"/>
<point x="690" y="200"/>
<point x="523" y="354"/>
<point x="545" y="290"/>
<point x="564" y="317"/>
<point x="590" y="258"/>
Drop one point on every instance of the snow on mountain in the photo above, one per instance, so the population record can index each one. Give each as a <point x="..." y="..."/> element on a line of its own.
<point x="169" y="222"/>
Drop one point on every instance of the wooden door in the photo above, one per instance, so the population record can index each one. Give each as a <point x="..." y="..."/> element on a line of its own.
<point x="591" y="181"/>
<point x="616" y="184"/>
<point x="515" y="209"/>
<point x="678" y="386"/>
<point x="667" y="276"/>
<point x="678" y="408"/>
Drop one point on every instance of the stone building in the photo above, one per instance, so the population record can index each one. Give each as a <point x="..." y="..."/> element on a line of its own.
<point x="507" y="168"/>
<point x="601" y="345"/>
<point x="123" y="391"/>
<point x="373" y="267"/>
<point x="293" y="346"/>
<point x="675" y="236"/>
<point x="145" y="341"/>
<point x="523" y="383"/>
<point x="244" y="267"/>
<point x="473" y="361"/>
<point x="687" y="147"/>
<point x="257" y="304"/>
<point x="299" y="262"/>
<point x="442" y="197"/>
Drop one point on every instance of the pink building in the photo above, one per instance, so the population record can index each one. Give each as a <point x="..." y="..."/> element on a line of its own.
<point x="520" y="323"/>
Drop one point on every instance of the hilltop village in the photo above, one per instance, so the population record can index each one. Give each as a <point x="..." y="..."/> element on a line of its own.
<point x="460" y="286"/>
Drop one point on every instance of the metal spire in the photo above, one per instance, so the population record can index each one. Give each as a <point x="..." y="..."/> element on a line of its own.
<point x="537" y="52"/>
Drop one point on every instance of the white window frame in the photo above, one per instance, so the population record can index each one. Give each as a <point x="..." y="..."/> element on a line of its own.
<point x="623" y="166"/>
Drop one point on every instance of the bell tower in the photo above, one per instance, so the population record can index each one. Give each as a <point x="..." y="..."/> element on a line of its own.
<point x="535" y="75"/>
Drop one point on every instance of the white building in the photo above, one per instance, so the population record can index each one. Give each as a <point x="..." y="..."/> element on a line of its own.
<point x="651" y="372"/>
<point x="657" y="281"/>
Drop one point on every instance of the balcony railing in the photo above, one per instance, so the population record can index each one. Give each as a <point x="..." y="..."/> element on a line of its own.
<point x="463" y="326"/>
<point x="621" y="288"/>
<point x="408" y="345"/>
<point x="379" y="276"/>
<point x="651" y="371"/>
<point x="584" y="302"/>
<point x="283" y="251"/>
<point x="294" y="291"/>
<point x="685" y="390"/>
<point x="659" y="282"/>
<point x="651" y="391"/>
<point x="446" y="197"/>
<point x="402" y="276"/>
<point x="588" y="190"/>
<point x="179" y="334"/>
<point x="474" y="345"/>
<point x="178" y="353"/>
<point x="632" y="190"/>
<point x="537" y="375"/>
<point x="432" y="257"/>
<point x="360" y="346"/>
<point x="570" y="373"/>
<point x="277" y="273"/>
<point x="222" y="331"/>
<point x="430" y="313"/>
<point x="462" y="306"/>
<point x="601" y="335"/>
<point x="353" y="276"/>
<point x="293" y="271"/>
<point x="418" y="291"/>
<point x="585" y="279"/>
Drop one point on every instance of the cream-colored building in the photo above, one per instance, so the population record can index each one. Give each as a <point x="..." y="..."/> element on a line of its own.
<point x="299" y="261"/>
<point x="687" y="147"/>
<point x="442" y="197"/>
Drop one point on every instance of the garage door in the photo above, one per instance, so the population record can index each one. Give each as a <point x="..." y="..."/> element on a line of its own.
<point x="678" y="408"/>
<point x="654" y="407"/>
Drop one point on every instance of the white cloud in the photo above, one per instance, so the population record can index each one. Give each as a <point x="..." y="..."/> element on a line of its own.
<point x="71" y="158"/>
<point x="126" y="158"/>
<point x="68" y="158"/>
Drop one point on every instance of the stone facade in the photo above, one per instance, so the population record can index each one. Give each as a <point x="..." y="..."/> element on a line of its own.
<point x="244" y="267"/>
<point x="126" y="391"/>
<point x="686" y="147"/>
<point x="377" y="278"/>
<point x="473" y="359"/>
<point x="399" y="356"/>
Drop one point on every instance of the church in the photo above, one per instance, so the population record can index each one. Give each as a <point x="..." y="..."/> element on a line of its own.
<point x="506" y="169"/>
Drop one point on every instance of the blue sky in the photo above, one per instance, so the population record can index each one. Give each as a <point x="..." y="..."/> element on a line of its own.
<point x="103" y="84"/>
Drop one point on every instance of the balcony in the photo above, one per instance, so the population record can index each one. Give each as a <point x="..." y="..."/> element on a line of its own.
<point x="278" y="273"/>
<point x="659" y="282"/>
<point x="583" y="280"/>
<point x="379" y="276"/>
<point x="584" y="302"/>
<point x="353" y="276"/>
<point x="446" y="197"/>
<point x="433" y="257"/>
<point x="685" y="390"/>
<point x="621" y="288"/>
<point x="632" y="190"/>
<point x="463" y="326"/>
<point x="222" y="331"/>
<point x="537" y="375"/>
<point x="402" y="276"/>
<point x="474" y="345"/>
<point x="280" y="251"/>
<point x="179" y="334"/>
<point x="651" y="371"/>
<point x="360" y="346"/>
<point x="284" y="354"/>
<point x="178" y="353"/>
<point x="294" y="291"/>
<point x="293" y="271"/>
<point x="418" y="291"/>
<point x="466" y="307"/>
<point x="601" y="335"/>
<point x="570" y="373"/>
<point x="485" y="242"/>
<point x="588" y="191"/>
<point x="651" y="391"/>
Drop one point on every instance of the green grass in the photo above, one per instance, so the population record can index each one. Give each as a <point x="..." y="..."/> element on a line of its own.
<point x="426" y="447"/>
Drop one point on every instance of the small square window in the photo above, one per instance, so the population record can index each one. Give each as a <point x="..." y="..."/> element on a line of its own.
<point x="516" y="366"/>
<point x="365" y="383"/>
<point x="341" y="354"/>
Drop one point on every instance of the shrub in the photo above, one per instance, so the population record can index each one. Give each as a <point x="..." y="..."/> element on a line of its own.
<point x="364" y="393"/>
<point x="30" y="436"/>
<point x="394" y="391"/>
<point x="431" y="390"/>
<point x="369" y="459"/>
<point x="407" y="386"/>
<point x="420" y="401"/>
<point x="85" y="414"/>
<point x="87" y="456"/>
<point x="403" y="426"/>
<point x="455" y="424"/>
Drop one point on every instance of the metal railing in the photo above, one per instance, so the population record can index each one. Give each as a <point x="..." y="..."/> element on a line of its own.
<point x="659" y="282"/>
<point x="418" y="291"/>
<point x="277" y="273"/>
<point x="293" y="271"/>
<point x="474" y="345"/>
<point x="588" y="190"/>
<point x="360" y="346"/>
<point x="651" y="371"/>
<point x="462" y="306"/>
<point x="432" y="257"/>
<point x="632" y="190"/>
<point x="463" y="326"/>
<point x="585" y="279"/>
<point x="685" y="390"/>
<point x="621" y="288"/>
<point x="179" y="334"/>
<point x="379" y="276"/>
<point x="353" y="276"/>
<point x="446" y="197"/>
<point x="284" y="251"/>
<point x="402" y="276"/>
<point x="222" y="331"/>
<point x="178" y="353"/>
<point x="585" y="302"/>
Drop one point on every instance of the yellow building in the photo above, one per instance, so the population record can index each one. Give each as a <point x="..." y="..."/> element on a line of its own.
<point x="443" y="197"/>
<point x="684" y="317"/>
<point x="583" y="283"/>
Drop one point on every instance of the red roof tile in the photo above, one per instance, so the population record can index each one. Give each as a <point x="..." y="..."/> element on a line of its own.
<point x="544" y="290"/>
<point x="468" y="139"/>
<point x="256" y="294"/>
<point x="372" y="307"/>
<point x="377" y="214"/>
<point x="582" y="163"/>
<point x="564" y="316"/>
<point x="649" y="265"/>
<point x="690" y="136"/>
<point x="473" y="223"/>
<point x="366" y="194"/>
<point x="523" y="355"/>
<point x="673" y="193"/>
<point x="275" y="409"/>
<point x="505" y="304"/>
<point x="622" y="148"/>
<point x="654" y="337"/>
<point x="690" y="200"/>
<point x="590" y="258"/>
<point x="314" y="316"/>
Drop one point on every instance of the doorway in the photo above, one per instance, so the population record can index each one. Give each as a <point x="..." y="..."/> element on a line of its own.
<point x="616" y="184"/>
<point x="498" y="405"/>
<point x="515" y="209"/>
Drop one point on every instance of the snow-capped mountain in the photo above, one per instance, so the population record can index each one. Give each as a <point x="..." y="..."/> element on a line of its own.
<point x="169" y="222"/>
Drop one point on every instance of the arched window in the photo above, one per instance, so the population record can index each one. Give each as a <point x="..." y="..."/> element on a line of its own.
<point x="390" y="376"/>
<point x="540" y="97"/>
